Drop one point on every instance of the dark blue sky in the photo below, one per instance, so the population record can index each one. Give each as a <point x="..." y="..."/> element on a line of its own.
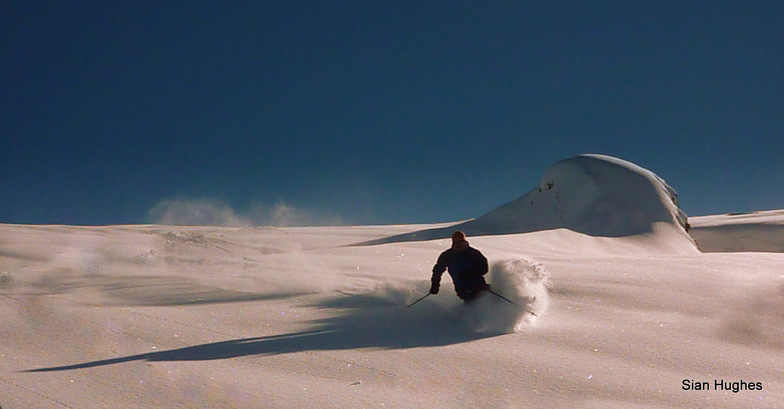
<point x="380" y="111"/>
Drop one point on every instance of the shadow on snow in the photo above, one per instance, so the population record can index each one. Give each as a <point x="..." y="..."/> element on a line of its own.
<point x="370" y="323"/>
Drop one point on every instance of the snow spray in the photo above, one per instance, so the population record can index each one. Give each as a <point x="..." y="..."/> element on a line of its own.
<point x="524" y="282"/>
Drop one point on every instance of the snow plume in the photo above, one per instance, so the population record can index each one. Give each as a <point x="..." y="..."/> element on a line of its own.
<point x="523" y="282"/>
<point x="284" y="215"/>
<point x="214" y="212"/>
<point x="401" y="292"/>
<point x="196" y="212"/>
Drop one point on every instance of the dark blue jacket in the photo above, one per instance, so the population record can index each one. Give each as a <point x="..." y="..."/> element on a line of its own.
<point x="466" y="266"/>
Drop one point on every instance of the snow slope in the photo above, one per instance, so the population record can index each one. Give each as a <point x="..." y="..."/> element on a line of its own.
<point x="167" y="316"/>
<point x="757" y="231"/>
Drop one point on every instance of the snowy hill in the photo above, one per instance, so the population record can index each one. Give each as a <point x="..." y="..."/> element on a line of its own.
<point x="592" y="194"/>
<point x="595" y="195"/>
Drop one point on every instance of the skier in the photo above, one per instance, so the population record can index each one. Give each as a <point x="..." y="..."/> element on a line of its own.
<point x="466" y="265"/>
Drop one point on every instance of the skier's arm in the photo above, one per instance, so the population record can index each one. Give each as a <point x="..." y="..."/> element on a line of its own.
<point x="438" y="270"/>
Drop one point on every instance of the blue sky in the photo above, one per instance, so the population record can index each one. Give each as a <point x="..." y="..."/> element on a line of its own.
<point x="379" y="111"/>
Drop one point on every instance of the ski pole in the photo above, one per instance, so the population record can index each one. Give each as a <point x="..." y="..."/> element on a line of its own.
<point x="426" y="295"/>
<point x="502" y="297"/>
<point x="511" y="302"/>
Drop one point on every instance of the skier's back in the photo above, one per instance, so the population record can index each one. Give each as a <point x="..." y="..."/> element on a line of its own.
<point x="466" y="265"/>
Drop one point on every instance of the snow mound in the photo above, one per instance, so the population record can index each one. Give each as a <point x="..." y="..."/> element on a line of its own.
<point x="593" y="194"/>
<point x="524" y="284"/>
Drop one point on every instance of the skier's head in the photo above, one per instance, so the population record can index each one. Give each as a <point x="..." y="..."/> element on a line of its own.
<point x="459" y="240"/>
